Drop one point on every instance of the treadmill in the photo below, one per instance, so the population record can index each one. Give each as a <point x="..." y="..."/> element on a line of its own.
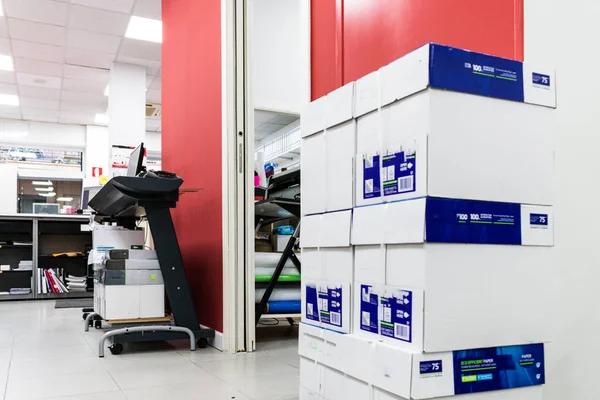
<point x="154" y="195"/>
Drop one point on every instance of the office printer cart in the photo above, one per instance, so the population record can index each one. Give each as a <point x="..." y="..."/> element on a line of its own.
<point x="125" y="197"/>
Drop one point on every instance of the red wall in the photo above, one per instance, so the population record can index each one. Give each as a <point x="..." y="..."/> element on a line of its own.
<point x="191" y="143"/>
<point x="351" y="38"/>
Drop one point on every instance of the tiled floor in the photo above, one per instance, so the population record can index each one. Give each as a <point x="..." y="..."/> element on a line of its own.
<point x="44" y="354"/>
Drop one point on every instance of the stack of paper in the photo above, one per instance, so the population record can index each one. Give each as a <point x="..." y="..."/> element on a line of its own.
<point x="76" y="283"/>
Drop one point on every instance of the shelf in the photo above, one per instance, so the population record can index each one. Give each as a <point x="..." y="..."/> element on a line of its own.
<point x="46" y="262"/>
<point x="8" y="297"/>
<point x="16" y="246"/>
<point x="17" y="271"/>
<point x="280" y="316"/>
<point x="73" y="295"/>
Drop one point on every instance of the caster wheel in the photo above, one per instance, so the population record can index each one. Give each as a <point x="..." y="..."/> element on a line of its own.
<point x="116" y="349"/>
<point x="85" y="315"/>
<point x="98" y="324"/>
<point x="202" y="343"/>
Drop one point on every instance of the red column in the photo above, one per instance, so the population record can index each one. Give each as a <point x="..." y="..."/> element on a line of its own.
<point x="191" y="143"/>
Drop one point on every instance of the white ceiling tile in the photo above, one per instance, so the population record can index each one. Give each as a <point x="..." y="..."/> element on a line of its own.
<point x="38" y="51"/>
<point x="148" y="9"/>
<point x="5" y="46"/>
<point x="84" y="85"/>
<point x="153" y="95"/>
<point x="39" y="103"/>
<point x="38" y="67"/>
<point x="7" y="77"/>
<point x="39" y="118"/>
<point x="36" y="32"/>
<point x="42" y="81"/>
<point x="96" y="20"/>
<point x="44" y="11"/>
<point x="140" y="49"/>
<point x="13" y="113"/>
<point x="152" y="67"/>
<point x="83" y="97"/>
<point x="8" y="88"/>
<point x="93" y="41"/>
<point x="91" y="108"/>
<point x="77" y="72"/>
<point x="76" y="117"/>
<point x="260" y="117"/>
<point x="3" y="27"/>
<point x="41" y="93"/>
<point x="122" y="6"/>
<point x="89" y="58"/>
<point x="43" y="112"/>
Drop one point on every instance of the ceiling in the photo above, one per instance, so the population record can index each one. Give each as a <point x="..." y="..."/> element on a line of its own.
<point x="266" y="123"/>
<point x="63" y="50"/>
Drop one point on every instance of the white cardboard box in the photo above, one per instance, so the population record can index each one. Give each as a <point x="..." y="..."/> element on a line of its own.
<point x="339" y="105"/>
<point x="312" y="118"/>
<point x="109" y="237"/>
<point x="477" y="291"/>
<point x="326" y="304"/>
<point x="313" y="175"/>
<point x="339" y="169"/>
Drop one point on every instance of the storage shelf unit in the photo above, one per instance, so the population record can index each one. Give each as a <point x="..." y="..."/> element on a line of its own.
<point x="47" y="234"/>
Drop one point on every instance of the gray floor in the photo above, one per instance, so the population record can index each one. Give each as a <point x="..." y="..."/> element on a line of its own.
<point x="44" y="354"/>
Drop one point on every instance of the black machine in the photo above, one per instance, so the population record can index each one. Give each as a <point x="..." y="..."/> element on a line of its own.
<point x="154" y="196"/>
<point x="136" y="160"/>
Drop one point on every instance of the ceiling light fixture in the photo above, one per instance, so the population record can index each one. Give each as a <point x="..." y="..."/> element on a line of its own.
<point x="144" y="29"/>
<point x="6" y="62"/>
<point x="47" y="194"/>
<point x="47" y="189"/>
<point x="101" y="119"/>
<point x="64" y="199"/>
<point x="9" y="100"/>
<point x="40" y="183"/>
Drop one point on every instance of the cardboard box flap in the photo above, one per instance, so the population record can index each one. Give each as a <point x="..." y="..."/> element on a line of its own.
<point x="392" y="370"/>
<point x="312" y="118"/>
<point x="339" y="105"/>
<point x="367" y="94"/>
<point x="310" y="231"/>
<point x="405" y="76"/>
<point x="404" y="222"/>
<point x="335" y="229"/>
<point x="310" y="342"/>
<point x="367" y="225"/>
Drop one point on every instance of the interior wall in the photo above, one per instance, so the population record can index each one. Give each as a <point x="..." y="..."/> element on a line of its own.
<point x="351" y="38"/>
<point x="279" y="51"/>
<point x="191" y="143"/>
<point x="563" y="34"/>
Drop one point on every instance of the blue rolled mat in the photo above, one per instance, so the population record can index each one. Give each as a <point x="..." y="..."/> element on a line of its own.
<point x="283" y="307"/>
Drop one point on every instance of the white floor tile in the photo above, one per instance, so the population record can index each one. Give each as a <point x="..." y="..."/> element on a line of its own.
<point x="269" y="387"/>
<point x="60" y="385"/>
<point x="95" y="396"/>
<point x="140" y="378"/>
<point x="213" y="391"/>
<point x="230" y="370"/>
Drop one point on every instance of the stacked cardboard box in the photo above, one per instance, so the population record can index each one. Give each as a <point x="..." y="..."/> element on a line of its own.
<point x="427" y="229"/>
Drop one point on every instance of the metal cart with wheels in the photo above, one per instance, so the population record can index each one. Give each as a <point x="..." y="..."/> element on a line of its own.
<point x="127" y="197"/>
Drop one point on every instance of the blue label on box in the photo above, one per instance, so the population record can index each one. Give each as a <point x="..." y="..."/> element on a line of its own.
<point x="369" y="306"/>
<point x="429" y="369"/>
<point x="468" y="72"/>
<point x="398" y="173"/>
<point x="330" y="305"/>
<point x="371" y="177"/>
<point x="312" y="307"/>
<point x="472" y="221"/>
<point x="540" y="79"/>
<point x="498" y="368"/>
<point x="396" y="315"/>
<point x="538" y="220"/>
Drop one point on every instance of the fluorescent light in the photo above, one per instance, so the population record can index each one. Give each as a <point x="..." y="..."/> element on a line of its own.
<point x="64" y="199"/>
<point x="101" y="119"/>
<point x="1" y="9"/>
<point x="41" y="183"/>
<point x="46" y="189"/>
<point x="47" y="194"/>
<point x="144" y="29"/>
<point x="9" y="99"/>
<point x="6" y="63"/>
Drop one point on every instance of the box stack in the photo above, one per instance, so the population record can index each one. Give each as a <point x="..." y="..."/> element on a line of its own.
<point x="427" y="230"/>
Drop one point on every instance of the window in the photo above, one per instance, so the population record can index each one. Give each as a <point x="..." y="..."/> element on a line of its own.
<point x="49" y="196"/>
